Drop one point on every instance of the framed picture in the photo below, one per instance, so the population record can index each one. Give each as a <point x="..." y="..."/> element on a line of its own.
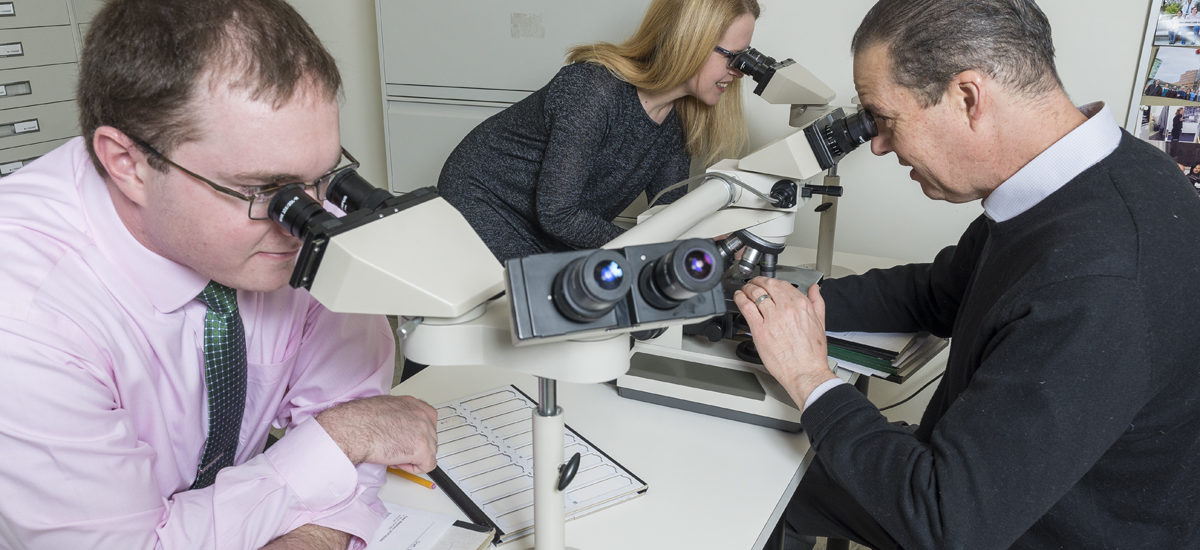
<point x="1165" y="109"/>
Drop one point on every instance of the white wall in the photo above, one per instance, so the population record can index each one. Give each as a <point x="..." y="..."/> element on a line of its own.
<point x="347" y="27"/>
<point x="883" y="212"/>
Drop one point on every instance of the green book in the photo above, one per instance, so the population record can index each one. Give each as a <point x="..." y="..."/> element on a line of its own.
<point x="863" y="359"/>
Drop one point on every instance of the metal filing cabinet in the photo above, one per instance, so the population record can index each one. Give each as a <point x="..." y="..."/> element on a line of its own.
<point x="447" y="66"/>
<point x="40" y="42"/>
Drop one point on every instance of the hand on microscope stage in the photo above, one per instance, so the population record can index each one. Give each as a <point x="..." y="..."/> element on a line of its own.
<point x="789" y="333"/>
<point x="397" y="431"/>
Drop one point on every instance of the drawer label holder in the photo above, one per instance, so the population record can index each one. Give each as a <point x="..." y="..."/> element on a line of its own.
<point x="15" y="89"/>
<point x="12" y="49"/>
<point x="17" y="128"/>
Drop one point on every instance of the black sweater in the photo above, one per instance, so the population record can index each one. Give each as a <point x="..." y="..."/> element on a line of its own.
<point x="552" y="171"/>
<point x="1069" y="414"/>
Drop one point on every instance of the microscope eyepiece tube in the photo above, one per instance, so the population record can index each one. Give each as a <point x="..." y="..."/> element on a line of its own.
<point x="297" y="211"/>
<point x="687" y="270"/>
<point x="589" y="287"/>
<point x="857" y="128"/>
<point x="758" y="66"/>
<point x="836" y="134"/>
<point x="350" y="192"/>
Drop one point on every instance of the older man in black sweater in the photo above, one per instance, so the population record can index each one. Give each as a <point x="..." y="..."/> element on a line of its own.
<point x="1069" y="414"/>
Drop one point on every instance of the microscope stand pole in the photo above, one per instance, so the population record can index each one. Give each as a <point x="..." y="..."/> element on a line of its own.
<point x="549" y="504"/>
<point x="828" y="224"/>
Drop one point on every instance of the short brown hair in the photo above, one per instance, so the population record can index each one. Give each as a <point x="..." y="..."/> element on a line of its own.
<point x="144" y="61"/>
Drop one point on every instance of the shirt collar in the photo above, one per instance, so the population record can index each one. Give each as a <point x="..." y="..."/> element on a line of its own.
<point x="1075" y="152"/>
<point x="167" y="284"/>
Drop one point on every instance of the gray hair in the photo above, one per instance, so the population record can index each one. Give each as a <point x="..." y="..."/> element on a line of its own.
<point x="931" y="41"/>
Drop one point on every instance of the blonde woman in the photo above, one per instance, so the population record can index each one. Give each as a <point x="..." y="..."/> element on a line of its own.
<point x="551" y="172"/>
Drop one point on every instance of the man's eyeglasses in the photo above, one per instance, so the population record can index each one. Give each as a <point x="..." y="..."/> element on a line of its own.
<point x="729" y="55"/>
<point x="259" y="200"/>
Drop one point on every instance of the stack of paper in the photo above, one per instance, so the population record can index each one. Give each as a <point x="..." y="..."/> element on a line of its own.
<point x="407" y="528"/>
<point x="888" y="355"/>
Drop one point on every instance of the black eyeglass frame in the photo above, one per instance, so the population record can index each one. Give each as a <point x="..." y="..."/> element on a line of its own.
<point x="263" y="196"/>
<point x="730" y="55"/>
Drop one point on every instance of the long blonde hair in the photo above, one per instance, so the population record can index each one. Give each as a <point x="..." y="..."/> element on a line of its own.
<point x="674" y="41"/>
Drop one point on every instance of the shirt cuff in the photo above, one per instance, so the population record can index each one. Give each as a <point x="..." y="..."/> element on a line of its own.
<point x="313" y="466"/>
<point x="820" y="390"/>
<point x="363" y="516"/>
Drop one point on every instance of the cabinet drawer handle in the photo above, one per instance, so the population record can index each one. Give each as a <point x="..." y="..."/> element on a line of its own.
<point x="18" y="128"/>
<point x="15" y="89"/>
<point x="7" y="9"/>
<point x="7" y="168"/>
<point x="11" y="49"/>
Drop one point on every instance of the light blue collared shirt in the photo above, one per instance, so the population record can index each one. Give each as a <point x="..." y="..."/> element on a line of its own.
<point x="1075" y="152"/>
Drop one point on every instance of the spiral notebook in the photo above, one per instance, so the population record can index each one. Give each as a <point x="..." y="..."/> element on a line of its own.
<point x="485" y="463"/>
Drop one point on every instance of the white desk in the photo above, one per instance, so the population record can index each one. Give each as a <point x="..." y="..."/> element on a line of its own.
<point x="713" y="483"/>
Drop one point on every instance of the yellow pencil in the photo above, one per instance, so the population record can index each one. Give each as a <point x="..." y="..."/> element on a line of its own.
<point x="413" y="477"/>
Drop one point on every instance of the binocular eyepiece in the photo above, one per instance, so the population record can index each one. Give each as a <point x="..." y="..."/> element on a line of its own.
<point x="857" y="128"/>
<point x="757" y="65"/>
<point x="591" y="286"/>
<point x="687" y="270"/>
<point x="834" y="135"/>
<point x="643" y="287"/>
<point x="848" y="132"/>
<point x="299" y="212"/>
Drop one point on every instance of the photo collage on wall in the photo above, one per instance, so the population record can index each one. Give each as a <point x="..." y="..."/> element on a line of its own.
<point x="1168" y="114"/>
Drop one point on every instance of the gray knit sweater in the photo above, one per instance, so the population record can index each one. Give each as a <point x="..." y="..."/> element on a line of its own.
<point x="551" y="172"/>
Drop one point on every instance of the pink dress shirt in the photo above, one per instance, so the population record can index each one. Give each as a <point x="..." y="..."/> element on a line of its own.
<point x="103" y="410"/>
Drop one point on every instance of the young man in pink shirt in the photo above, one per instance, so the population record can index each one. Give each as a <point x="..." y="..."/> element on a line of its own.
<point x="106" y="410"/>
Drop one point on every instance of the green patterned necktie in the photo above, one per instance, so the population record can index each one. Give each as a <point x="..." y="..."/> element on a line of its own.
<point x="225" y="377"/>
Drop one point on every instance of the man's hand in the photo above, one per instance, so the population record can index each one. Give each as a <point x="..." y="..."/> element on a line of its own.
<point x="310" y="537"/>
<point x="789" y="333"/>
<point x="398" y="431"/>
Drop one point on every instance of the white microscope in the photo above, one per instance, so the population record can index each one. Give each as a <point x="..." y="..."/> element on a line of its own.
<point x="752" y="200"/>
<point x="562" y="316"/>
<point x="567" y="316"/>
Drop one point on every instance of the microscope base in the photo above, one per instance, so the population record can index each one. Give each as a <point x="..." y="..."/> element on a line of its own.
<point x="684" y="404"/>
<point x="680" y="381"/>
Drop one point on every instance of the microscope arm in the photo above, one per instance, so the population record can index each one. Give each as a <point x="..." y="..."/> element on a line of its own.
<point x="727" y="200"/>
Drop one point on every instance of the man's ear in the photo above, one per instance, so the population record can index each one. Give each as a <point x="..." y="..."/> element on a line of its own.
<point x="124" y="161"/>
<point x="970" y="92"/>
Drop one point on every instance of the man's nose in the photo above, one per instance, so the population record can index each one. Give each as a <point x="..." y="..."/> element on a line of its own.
<point x="880" y="146"/>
